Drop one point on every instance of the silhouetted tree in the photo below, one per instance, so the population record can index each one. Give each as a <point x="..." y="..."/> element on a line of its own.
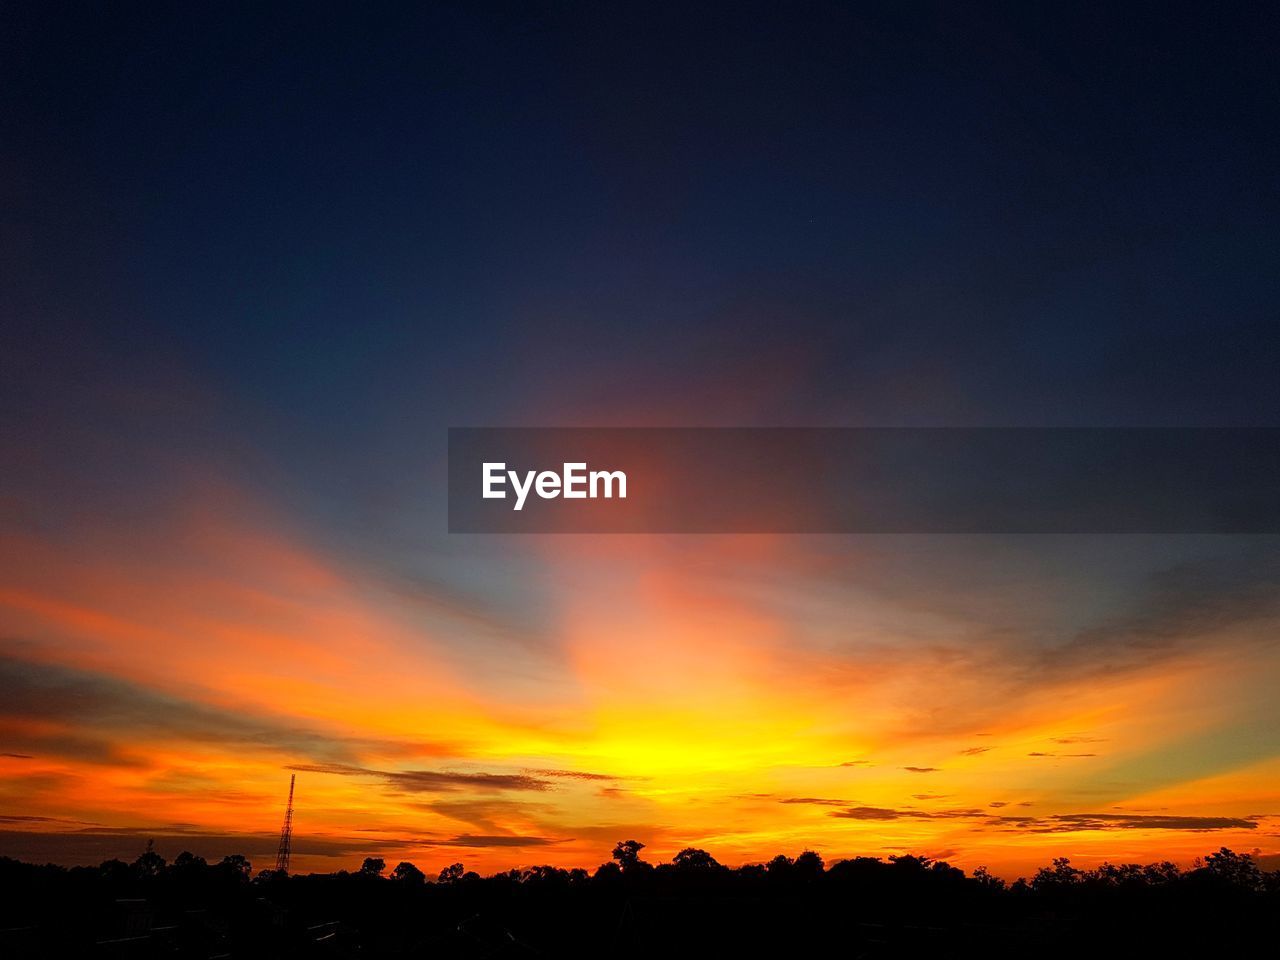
<point x="909" y="863"/>
<point x="406" y="872"/>
<point x="452" y="873"/>
<point x="373" y="866"/>
<point x="780" y="866"/>
<point x="691" y="859"/>
<point x="1058" y="877"/>
<point x="115" y="872"/>
<point x="808" y="864"/>
<point x="1233" y="869"/>
<point x="1160" y="873"/>
<point x="627" y="853"/>
<point x="235" y="863"/>
<point x="607" y="872"/>
<point x="753" y="872"/>
<point x="150" y="863"/>
<point x="188" y="863"/>
<point x="545" y="874"/>
<point x="986" y="881"/>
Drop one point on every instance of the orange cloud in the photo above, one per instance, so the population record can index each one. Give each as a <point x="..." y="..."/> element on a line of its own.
<point x="750" y="694"/>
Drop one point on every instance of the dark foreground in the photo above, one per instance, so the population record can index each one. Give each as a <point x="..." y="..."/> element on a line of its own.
<point x="906" y="907"/>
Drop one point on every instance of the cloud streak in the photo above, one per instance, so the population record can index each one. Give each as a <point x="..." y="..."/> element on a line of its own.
<point x="1056" y="823"/>
<point x="108" y="710"/>
<point x="433" y="781"/>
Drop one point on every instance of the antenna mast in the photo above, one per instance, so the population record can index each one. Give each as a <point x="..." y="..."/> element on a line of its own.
<point x="286" y="833"/>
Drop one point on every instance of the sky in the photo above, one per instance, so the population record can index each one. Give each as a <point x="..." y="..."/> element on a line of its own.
<point x="257" y="261"/>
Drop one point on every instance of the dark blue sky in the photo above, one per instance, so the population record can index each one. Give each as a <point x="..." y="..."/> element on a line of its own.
<point x="316" y="237"/>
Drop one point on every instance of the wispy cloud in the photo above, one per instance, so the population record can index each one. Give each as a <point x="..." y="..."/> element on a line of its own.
<point x="575" y="774"/>
<point x="105" y="710"/>
<point x="1056" y="823"/>
<point x="817" y="801"/>
<point x="431" y="781"/>
<point x="890" y="813"/>
<point x="471" y="840"/>
<point x="436" y="781"/>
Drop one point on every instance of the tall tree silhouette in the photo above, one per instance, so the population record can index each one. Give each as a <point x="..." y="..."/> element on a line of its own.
<point x="627" y="853"/>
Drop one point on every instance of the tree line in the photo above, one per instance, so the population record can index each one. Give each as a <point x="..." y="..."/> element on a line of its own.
<point x="902" y="906"/>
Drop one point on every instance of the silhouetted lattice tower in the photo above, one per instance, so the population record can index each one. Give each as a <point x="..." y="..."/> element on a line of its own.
<point x="286" y="833"/>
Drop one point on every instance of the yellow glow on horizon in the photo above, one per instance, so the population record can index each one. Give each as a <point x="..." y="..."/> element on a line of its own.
<point x="671" y="703"/>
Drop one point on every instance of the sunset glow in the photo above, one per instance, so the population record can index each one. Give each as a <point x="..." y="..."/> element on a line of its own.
<point x="749" y="695"/>
<point x="261" y="265"/>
